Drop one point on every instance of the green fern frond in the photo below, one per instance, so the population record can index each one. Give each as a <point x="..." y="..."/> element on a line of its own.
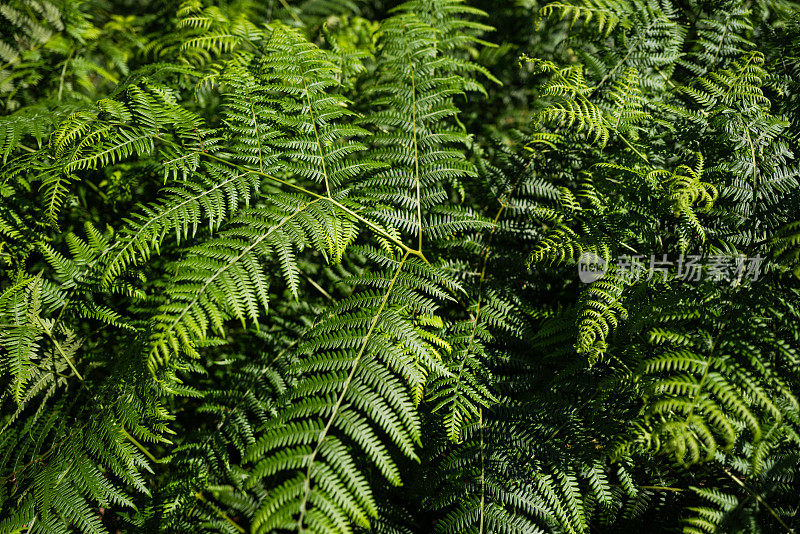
<point x="356" y="372"/>
<point x="599" y="312"/>
<point x="688" y="195"/>
<point x="703" y="392"/>
<point x="463" y="392"/>
<point x="226" y="277"/>
<point x="601" y="16"/>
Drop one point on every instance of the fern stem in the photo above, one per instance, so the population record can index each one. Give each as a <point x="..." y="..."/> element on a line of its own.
<point x="739" y="75"/>
<point x="624" y="59"/>
<point x="416" y="152"/>
<point x="318" y="287"/>
<point x="316" y="136"/>
<point x="258" y="135"/>
<point x="61" y="352"/>
<point x="662" y="488"/>
<point x="138" y="445"/>
<point x="760" y="500"/>
<point x="721" y="40"/>
<point x="664" y="77"/>
<point x="63" y="73"/>
<point x="485" y="259"/>
<point x="200" y="497"/>
<point x="291" y="12"/>
<point x="754" y="163"/>
<point x="340" y="400"/>
<point x="624" y="140"/>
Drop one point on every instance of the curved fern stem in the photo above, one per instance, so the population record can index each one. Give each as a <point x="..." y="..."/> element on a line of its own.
<point x="139" y="445"/>
<point x="355" y="215"/>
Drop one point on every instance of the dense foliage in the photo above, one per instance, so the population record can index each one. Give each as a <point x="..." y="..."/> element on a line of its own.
<point x="312" y="266"/>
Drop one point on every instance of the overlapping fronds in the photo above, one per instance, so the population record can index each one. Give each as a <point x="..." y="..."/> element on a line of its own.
<point x="702" y="391"/>
<point x="226" y="276"/>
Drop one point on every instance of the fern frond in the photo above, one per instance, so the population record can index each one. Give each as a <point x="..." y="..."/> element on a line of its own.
<point x="226" y="277"/>
<point x="601" y="16"/>
<point x="357" y="369"/>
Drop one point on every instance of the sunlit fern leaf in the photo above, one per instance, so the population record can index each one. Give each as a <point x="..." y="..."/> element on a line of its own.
<point x="285" y="117"/>
<point x="240" y="172"/>
<point x="459" y="32"/>
<point x="415" y="123"/>
<point x="688" y="195"/>
<point x="600" y="311"/>
<point x="628" y="110"/>
<point x="652" y="43"/>
<point x="558" y="246"/>
<point x="740" y="85"/>
<point x="569" y="107"/>
<point x="226" y="276"/>
<point x="601" y="16"/>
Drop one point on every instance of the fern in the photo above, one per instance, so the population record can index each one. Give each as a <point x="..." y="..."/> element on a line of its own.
<point x="705" y="392"/>
<point x="601" y="17"/>
<point x="208" y="283"/>
<point x="357" y="384"/>
<point x="320" y="266"/>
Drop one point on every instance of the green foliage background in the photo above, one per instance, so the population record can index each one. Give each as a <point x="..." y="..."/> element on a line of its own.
<point x="310" y="266"/>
